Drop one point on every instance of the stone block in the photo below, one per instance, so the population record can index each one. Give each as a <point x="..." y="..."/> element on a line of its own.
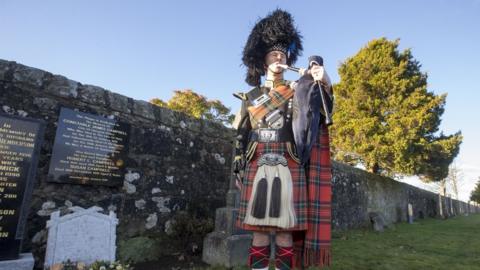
<point x="92" y="94"/>
<point x="169" y="117"/>
<point x="118" y="102"/>
<point x="32" y="77"/>
<point x="143" y="109"/>
<point x="24" y="262"/>
<point x="377" y="221"/>
<point x="226" y="250"/>
<point x="45" y="103"/>
<point x="225" y="219"/>
<point x="5" y="67"/>
<point x="193" y="124"/>
<point x="62" y="87"/>
<point x="211" y="128"/>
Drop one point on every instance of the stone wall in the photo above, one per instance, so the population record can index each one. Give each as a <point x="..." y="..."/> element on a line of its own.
<point x="178" y="170"/>
<point x="357" y="193"/>
<point x="176" y="165"/>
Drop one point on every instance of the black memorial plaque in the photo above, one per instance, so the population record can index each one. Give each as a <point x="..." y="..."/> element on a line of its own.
<point x="20" y="141"/>
<point x="89" y="149"/>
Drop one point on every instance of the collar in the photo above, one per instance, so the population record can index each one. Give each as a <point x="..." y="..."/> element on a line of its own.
<point x="273" y="84"/>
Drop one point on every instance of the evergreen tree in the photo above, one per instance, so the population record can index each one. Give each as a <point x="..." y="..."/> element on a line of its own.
<point x="385" y="117"/>
<point x="475" y="195"/>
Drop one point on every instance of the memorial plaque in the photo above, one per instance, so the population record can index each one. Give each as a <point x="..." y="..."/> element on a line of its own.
<point x="88" y="149"/>
<point x="20" y="140"/>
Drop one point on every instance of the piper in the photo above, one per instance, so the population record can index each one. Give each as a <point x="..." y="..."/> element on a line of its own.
<point x="282" y="151"/>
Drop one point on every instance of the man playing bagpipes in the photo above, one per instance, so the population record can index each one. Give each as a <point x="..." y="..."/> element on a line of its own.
<point x="283" y="150"/>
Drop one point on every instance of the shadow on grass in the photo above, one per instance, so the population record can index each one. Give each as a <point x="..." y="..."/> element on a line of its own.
<point x="452" y="244"/>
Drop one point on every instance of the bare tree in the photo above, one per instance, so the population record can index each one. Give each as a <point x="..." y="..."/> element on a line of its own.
<point x="452" y="182"/>
<point x="455" y="178"/>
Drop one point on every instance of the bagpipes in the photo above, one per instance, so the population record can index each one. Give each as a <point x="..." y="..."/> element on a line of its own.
<point x="327" y="104"/>
<point x="266" y="103"/>
<point x="312" y="102"/>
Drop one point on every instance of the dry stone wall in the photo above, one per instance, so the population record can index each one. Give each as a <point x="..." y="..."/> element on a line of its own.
<point x="175" y="164"/>
<point x="358" y="194"/>
<point x="178" y="170"/>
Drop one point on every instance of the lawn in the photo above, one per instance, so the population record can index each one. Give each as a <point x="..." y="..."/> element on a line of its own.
<point x="427" y="244"/>
<point x="452" y="244"/>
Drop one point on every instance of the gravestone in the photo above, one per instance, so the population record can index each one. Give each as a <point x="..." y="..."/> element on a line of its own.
<point x="24" y="262"/>
<point x="20" y="141"/>
<point x="410" y="213"/>
<point x="89" y="149"/>
<point x="82" y="236"/>
<point x="377" y="220"/>
<point x="227" y="245"/>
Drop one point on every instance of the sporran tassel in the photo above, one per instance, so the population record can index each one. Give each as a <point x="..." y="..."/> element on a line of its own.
<point x="275" y="199"/>
<point x="260" y="201"/>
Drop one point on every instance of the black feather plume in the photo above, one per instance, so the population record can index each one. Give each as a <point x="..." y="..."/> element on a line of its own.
<point x="277" y="29"/>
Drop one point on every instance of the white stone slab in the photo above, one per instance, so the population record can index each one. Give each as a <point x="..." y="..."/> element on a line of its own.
<point x="24" y="262"/>
<point x="83" y="236"/>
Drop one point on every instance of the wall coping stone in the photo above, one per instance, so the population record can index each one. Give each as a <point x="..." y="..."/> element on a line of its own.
<point x="35" y="79"/>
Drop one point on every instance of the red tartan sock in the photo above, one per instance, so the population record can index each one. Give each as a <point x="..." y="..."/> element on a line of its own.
<point x="283" y="257"/>
<point x="259" y="257"/>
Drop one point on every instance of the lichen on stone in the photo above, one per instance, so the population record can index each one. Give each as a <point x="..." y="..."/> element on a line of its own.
<point x="151" y="221"/>
<point x="161" y="204"/>
<point x="156" y="190"/>
<point x="48" y="207"/>
<point x="140" y="204"/>
<point x="129" y="188"/>
<point x="169" y="179"/>
<point x="169" y="226"/>
<point x="131" y="176"/>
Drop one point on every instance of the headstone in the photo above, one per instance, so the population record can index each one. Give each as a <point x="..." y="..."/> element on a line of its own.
<point x="440" y="206"/>
<point x="24" y="262"/>
<point x="20" y="141"/>
<point x="83" y="236"/>
<point x="410" y="213"/>
<point x="452" y="210"/>
<point x="377" y="221"/>
<point x="227" y="245"/>
<point x="89" y="149"/>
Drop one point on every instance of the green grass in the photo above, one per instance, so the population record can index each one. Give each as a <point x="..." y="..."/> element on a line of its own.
<point x="427" y="244"/>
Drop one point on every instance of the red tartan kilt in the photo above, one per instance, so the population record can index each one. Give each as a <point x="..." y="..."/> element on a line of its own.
<point x="299" y="189"/>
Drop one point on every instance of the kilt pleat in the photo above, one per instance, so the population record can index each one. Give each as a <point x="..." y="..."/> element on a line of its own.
<point x="300" y="197"/>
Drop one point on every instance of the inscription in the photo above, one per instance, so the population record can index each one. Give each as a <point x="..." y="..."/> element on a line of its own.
<point x="18" y="144"/>
<point x="88" y="149"/>
<point x="7" y="212"/>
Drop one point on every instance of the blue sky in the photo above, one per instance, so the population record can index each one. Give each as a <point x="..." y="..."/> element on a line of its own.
<point x="147" y="49"/>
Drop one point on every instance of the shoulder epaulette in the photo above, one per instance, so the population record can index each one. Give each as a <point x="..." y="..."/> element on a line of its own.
<point x="240" y="96"/>
<point x="253" y="93"/>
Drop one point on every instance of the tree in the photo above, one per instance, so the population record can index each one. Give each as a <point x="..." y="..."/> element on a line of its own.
<point x="475" y="195"/>
<point x="385" y="117"/>
<point x="454" y="178"/>
<point x="453" y="181"/>
<point x="197" y="106"/>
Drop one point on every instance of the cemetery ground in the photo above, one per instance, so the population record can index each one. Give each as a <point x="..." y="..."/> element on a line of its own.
<point x="451" y="244"/>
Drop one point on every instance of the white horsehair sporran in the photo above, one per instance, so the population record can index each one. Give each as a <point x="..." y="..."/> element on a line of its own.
<point x="271" y="201"/>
